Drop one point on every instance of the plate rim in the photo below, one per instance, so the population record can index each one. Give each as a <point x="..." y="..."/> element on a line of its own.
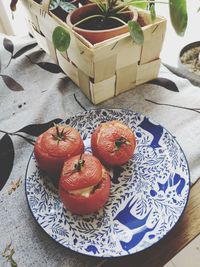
<point x="128" y="254"/>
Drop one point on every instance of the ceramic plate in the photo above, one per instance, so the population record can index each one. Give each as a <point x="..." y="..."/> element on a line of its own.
<point x="147" y="197"/>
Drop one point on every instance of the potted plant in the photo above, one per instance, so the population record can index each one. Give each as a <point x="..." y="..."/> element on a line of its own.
<point x="100" y="21"/>
<point x="60" y="8"/>
<point x="105" y="69"/>
<point x="106" y="19"/>
<point x="189" y="56"/>
<point x="189" y="61"/>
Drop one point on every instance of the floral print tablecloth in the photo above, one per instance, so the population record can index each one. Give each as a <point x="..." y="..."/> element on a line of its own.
<point x="34" y="94"/>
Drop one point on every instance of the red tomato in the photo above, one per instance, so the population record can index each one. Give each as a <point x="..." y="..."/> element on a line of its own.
<point x="113" y="143"/>
<point x="90" y="173"/>
<point x="86" y="189"/>
<point x="56" y="145"/>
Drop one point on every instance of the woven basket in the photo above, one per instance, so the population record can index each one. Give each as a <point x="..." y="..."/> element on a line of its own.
<point x="106" y="69"/>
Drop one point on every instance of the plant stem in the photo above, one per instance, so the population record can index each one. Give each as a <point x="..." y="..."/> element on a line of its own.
<point x="121" y="10"/>
<point x="118" y="19"/>
<point x="80" y="164"/>
<point x="60" y="135"/>
<point x="153" y="2"/>
<point x="197" y="110"/>
<point x="79" y="103"/>
<point x="30" y="141"/>
<point x="132" y="3"/>
<point x="103" y="10"/>
<point x="8" y="62"/>
<point x="118" y="8"/>
<point x="88" y="18"/>
<point x="77" y="166"/>
<point x="124" y="12"/>
<point x="121" y="141"/>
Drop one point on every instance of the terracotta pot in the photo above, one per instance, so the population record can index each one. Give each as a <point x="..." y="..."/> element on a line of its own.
<point x="95" y="36"/>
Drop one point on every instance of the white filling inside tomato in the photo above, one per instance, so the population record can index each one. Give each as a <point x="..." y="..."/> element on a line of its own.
<point x="83" y="191"/>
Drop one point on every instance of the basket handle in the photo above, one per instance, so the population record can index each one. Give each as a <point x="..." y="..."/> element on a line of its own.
<point x="45" y="5"/>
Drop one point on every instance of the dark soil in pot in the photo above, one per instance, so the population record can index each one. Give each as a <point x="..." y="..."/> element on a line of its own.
<point x="101" y="30"/>
<point x="190" y="58"/>
<point x="100" y="24"/>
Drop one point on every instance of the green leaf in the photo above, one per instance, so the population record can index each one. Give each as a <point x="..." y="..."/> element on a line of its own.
<point x="54" y="4"/>
<point x="136" y="32"/>
<point x="66" y="6"/>
<point x="178" y="15"/>
<point x="153" y="13"/>
<point x="61" y="39"/>
<point x="140" y="5"/>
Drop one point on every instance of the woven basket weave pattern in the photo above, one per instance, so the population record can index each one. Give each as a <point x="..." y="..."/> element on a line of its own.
<point x="106" y="69"/>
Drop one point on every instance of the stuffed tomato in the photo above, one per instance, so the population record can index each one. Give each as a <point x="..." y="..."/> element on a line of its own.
<point x="55" y="146"/>
<point x="113" y="143"/>
<point x="84" y="184"/>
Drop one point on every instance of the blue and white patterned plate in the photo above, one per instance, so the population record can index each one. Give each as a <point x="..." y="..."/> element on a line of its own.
<point x="148" y="194"/>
